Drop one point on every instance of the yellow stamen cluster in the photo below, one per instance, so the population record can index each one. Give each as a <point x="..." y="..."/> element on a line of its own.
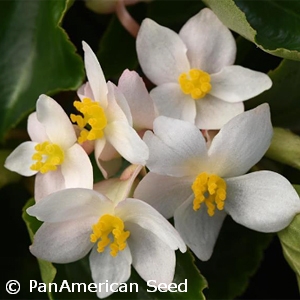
<point x="210" y="189"/>
<point x="110" y="225"/>
<point x="48" y="157"/>
<point x="196" y="83"/>
<point x="93" y="115"/>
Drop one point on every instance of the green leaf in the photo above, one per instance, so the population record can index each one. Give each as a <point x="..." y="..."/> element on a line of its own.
<point x="289" y="239"/>
<point x="274" y="26"/>
<point x="284" y="95"/>
<point x="36" y="57"/>
<point x="173" y="14"/>
<point x="186" y="273"/>
<point x="47" y="269"/>
<point x="116" y="50"/>
<point x="236" y="257"/>
<point x="285" y="148"/>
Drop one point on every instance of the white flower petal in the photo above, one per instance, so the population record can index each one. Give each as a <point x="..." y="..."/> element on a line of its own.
<point x="120" y="100"/>
<point x="20" y="160"/>
<point x="106" y="268"/>
<point x="77" y="168"/>
<point x="85" y="91"/>
<point x="99" y="146"/>
<point x="127" y="142"/>
<point x="241" y="142"/>
<point x="35" y="129"/>
<point x="198" y="229"/>
<point x="141" y="213"/>
<point x="107" y="158"/>
<point x="149" y="254"/>
<point x="164" y="193"/>
<point x="48" y="183"/>
<point x="263" y="201"/>
<point x="140" y="103"/>
<point x="177" y="148"/>
<point x="213" y="113"/>
<point x="172" y="102"/>
<point x="161" y="53"/>
<point x="57" y="124"/>
<point x="235" y="83"/>
<point x="71" y="204"/>
<point x="113" y="111"/>
<point x="95" y="75"/>
<point x="63" y="242"/>
<point x="211" y="46"/>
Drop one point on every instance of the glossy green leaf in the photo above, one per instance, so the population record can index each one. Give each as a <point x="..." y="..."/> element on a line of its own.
<point x="186" y="274"/>
<point x="236" y="257"/>
<point x="36" y="57"/>
<point x="116" y="50"/>
<point x="285" y="147"/>
<point x="289" y="238"/>
<point x="284" y="95"/>
<point x="274" y="26"/>
<point x="47" y="269"/>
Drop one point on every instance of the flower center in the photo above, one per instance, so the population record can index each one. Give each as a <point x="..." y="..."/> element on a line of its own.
<point x="109" y="225"/>
<point x="210" y="189"/>
<point x="93" y="117"/>
<point x="48" y="157"/>
<point x="196" y="83"/>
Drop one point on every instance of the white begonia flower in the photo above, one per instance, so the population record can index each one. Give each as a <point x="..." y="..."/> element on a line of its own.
<point x="53" y="154"/>
<point x="119" y="232"/>
<point x="140" y="103"/>
<point x="199" y="186"/>
<point x="194" y="72"/>
<point x="106" y="112"/>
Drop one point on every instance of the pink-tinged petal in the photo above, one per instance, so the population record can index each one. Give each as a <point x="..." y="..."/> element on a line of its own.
<point x="95" y="75"/>
<point x="149" y="254"/>
<point x="140" y="103"/>
<point x="36" y="130"/>
<point x="210" y="44"/>
<point x="127" y="142"/>
<point x="57" y="124"/>
<point x="85" y="91"/>
<point x="63" y="242"/>
<point x="113" y="270"/>
<point x="212" y="113"/>
<point x="138" y="212"/>
<point x="241" y="142"/>
<point x="172" y="102"/>
<point x="71" y="204"/>
<point x="164" y="193"/>
<point x="235" y="84"/>
<point x="263" y="201"/>
<point x="120" y="100"/>
<point x="161" y="53"/>
<point x="177" y="148"/>
<point x="48" y="183"/>
<point x="198" y="230"/>
<point x="20" y="160"/>
<point x="77" y="169"/>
